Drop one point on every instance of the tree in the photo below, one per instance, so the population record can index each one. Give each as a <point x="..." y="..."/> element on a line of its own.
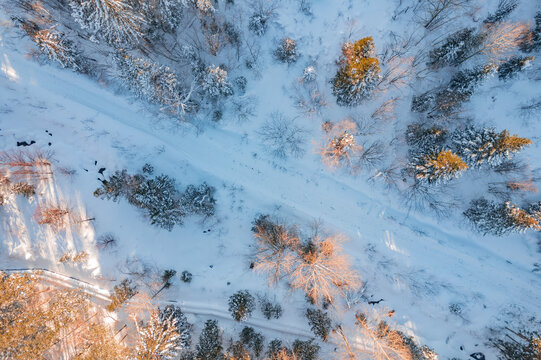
<point x="199" y="200"/>
<point x="269" y="309"/>
<point x="57" y="48"/>
<point x="120" y="184"/>
<point x="519" y="345"/>
<point x="163" y="14"/>
<point x="153" y="83"/>
<point x="275" y="244"/>
<point x="241" y="305"/>
<point x="319" y="322"/>
<point x="55" y="216"/>
<point x="122" y="293"/>
<point x="305" y="350"/>
<point x="111" y="20"/>
<point x="505" y="7"/>
<point x="321" y="270"/>
<point x="532" y="39"/>
<point x="36" y="318"/>
<point x="341" y="147"/>
<point x="511" y="67"/>
<point x="159" y="338"/>
<point x="484" y="145"/>
<point x="358" y="74"/>
<point x="287" y="51"/>
<point x="252" y="339"/>
<point x="258" y="23"/>
<point x="282" y="136"/>
<point x="210" y="342"/>
<point x="214" y="83"/>
<point x="99" y="343"/>
<point x="161" y="199"/>
<point x="456" y="48"/>
<point x="440" y="167"/>
<point x="500" y="219"/>
<point x="373" y="337"/>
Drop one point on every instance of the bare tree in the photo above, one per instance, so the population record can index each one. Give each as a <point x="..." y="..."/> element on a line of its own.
<point x="322" y="270"/>
<point x="275" y="248"/>
<point x="433" y="14"/>
<point x="57" y="217"/>
<point x="282" y="136"/>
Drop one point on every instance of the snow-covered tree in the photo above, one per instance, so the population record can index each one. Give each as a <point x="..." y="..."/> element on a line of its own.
<point x="358" y="74"/>
<point x="164" y="14"/>
<point x="305" y="350"/>
<point x="440" y="167"/>
<point x="518" y="345"/>
<point x="287" y="51"/>
<point x="199" y="200"/>
<point x="322" y="270"/>
<point x="341" y="147"/>
<point x="210" y="342"/>
<point x="241" y="305"/>
<point x="484" y="145"/>
<point x="120" y="184"/>
<point x="114" y="21"/>
<point x="57" y="48"/>
<point x="252" y="339"/>
<point x="153" y="83"/>
<point x="500" y="219"/>
<point x="532" y="40"/>
<point x="274" y="254"/>
<point x="214" y="83"/>
<point x="505" y="8"/>
<point x="309" y="74"/>
<point x="161" y="199"/>
<point x="121" y="293"/>
<point x="258" y="23"/>
<point x="282" y="137"/>
<point x="98" y="342"/>
<point x="270" y="310"/>
<point x="514" y="65"/>
<point x="159" y="338"/>
<point x="319" y="322"/>
<point x="456" y="48"/>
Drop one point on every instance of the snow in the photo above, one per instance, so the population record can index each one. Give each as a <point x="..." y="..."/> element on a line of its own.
<point x="418" y="263"/>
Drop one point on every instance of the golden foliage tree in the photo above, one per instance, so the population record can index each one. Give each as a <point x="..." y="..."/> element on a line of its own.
<point x="442" y="166"/>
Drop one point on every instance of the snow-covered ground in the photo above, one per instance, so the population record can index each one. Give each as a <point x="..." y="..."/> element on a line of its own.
<point x="418" y="263"/>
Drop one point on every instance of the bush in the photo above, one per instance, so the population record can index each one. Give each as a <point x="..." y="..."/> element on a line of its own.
<point x="320" y="323"/>
<point x="287" y="51"/>
<point x="241" y="305"/>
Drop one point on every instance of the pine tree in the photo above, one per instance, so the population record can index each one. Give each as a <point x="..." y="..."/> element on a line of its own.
<point x="214" y="83"/>
<point x="120" y="184"/>
<point x="122" y="293"/>
<point x="164" y="14"/>
<point x="500" y="219"/>
<point x="161" y="199"/>
<point x="241" y="305"/>
<point x="199" y="200"/>
<point x="505" y="7"/>
<point x="152" y="82"/>
<point x="269" y="309"/>
<point x="456" y="48"/>
<point x="210" y="342"/>
<point x="532" y="41"/>
<point x="440" y="167"/>
<point x="287" y="51"/>
<point x="358" y="74"/>
<point x="57" y="48"/>
<point x="258" y="23"/>
<point x="111" y="20"/>
<point x="319" y="322"/>
<point x="159" y="339"/>
<point x="184" y="328"/>
<point x="511" y="67"/>
<point x="305" y="350"/>
<point x="252" y="339"/>
<point x="99" y="343"/>
<point x="485" y="145"/>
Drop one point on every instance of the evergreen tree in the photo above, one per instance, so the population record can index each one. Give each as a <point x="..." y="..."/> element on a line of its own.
<point x="258" y="23"/>
<point x="358" y="74"/>
<point x="305" y="350"/>
<point x="163" y="14"/>
<point x="161" y="199"/>
<point x="532" y="41"/>
<point x="499" y="219"/>
<point x="319" y="322"/>
<point x="270" y="310"/>
<point x="57" y="48"/>
<point x="114" y="21"/>
<point x="122" y="293"/>
<point x="485" y="145"/>
<point x="241" y="305"/>
<point x="120" y="184"/>
<point x="98" y="342"/>
<point x="199" y="200"/>
<point x="252" y="339"/>
<point x="184" y="328"/>
<point x="214" y="83"/>
<point x="210" y="342"/>
<point x="514" y="65"/>
<point x="440" y="167"/>
<point x="159" y="339"/>
<point x="456" y="48"/>
<point x="505" y="7"/>
<point x="287" y="51"/>
<point x="151" y="82"/>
